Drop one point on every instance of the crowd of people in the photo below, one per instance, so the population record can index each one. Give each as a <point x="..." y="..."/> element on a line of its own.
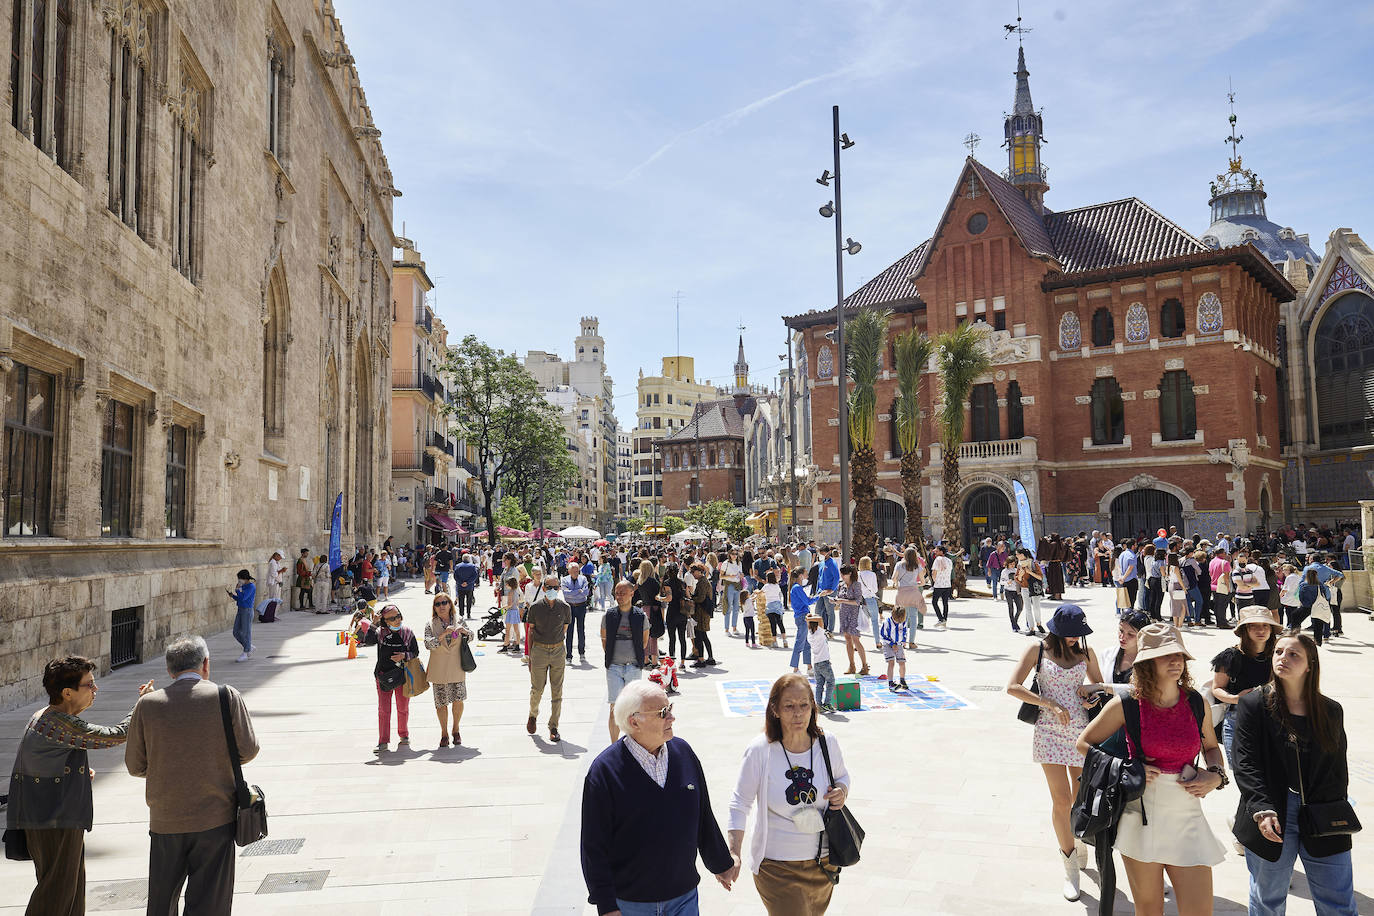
<point x="1261" y="720"/>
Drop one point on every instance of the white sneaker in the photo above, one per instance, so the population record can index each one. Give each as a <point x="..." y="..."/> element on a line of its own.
<point x="242" y="658"/>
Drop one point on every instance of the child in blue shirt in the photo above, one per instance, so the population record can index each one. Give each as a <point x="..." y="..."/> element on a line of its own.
<point x="801" y="606"/>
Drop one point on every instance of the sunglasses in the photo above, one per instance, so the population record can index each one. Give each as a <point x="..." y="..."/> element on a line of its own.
<point x="442" y="603"/>
<point x="663" y="713"/>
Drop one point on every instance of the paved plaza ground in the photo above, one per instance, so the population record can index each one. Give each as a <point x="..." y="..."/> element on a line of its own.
<point x="956" y="812"/>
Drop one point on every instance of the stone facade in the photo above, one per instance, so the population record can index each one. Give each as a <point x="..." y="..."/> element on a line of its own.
<point x="665" y="404"/>
<point x="223" y="280"/>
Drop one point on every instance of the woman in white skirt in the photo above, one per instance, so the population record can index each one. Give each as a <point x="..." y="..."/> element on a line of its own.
<point x="1173" y="835"/>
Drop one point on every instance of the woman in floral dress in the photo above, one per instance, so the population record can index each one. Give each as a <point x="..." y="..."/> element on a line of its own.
<point x="1066" y="670"/>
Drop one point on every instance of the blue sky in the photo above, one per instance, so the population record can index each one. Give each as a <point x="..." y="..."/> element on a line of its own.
<point x="573" y="158"/>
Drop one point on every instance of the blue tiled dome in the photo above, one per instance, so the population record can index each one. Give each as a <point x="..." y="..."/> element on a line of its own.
<point x="1276" y="242"/>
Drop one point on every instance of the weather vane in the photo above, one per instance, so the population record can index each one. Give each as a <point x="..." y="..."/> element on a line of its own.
<point x="972" y="141"/>
<point x="1235" y="138"/>
<point x="1017" y="28"/>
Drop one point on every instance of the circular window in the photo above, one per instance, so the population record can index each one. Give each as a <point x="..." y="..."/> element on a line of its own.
<point x="977" y="223"/>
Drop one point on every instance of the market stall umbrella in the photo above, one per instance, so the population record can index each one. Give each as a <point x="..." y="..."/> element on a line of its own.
<point x="578" y="532"/>
<point x="601" y="543"/>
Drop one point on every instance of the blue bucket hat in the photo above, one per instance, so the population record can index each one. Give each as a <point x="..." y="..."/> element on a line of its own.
<point x="1069" y="620"/>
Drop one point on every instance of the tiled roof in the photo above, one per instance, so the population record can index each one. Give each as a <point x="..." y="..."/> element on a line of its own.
<point x="712" y="420"/>
<point x="1120" y="232"/>
<point x="1018" y="211"/>
<point x="894" y="283"/>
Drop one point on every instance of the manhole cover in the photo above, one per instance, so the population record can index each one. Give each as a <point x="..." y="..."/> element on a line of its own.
<point x="288" y="881"/>
<point x="988" y="687"/>
<point x="118" y="895"/>
<point x="274" y="847"/>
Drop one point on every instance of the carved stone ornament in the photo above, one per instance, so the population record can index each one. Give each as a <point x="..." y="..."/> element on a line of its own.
<point x="1144" y="481"/>
<point x="186" y="105"/>
<point x="231" y="460"/>
<point x="1001" y="347"/>
<point x="129" y="20"/>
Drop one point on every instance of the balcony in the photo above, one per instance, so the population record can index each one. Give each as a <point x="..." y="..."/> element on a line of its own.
<point x="466" y="503"/>
<point x="437" y="440"/>
<point x="412" y="460"/>
<point x="405" y="379"/>
<point x="993" y="452"/>
<point x="424" y="318"/>
<point x="464" y="463"/>
<point x="439" y="497"/>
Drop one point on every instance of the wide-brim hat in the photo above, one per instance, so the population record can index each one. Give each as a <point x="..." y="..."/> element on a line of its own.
<point x="1255" y="613"/>
<point x="1158" y="640"/>
<point x="1068" y="620"/>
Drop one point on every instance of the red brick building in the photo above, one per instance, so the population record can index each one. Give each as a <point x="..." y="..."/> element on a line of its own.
<point x="1133" y="381"/>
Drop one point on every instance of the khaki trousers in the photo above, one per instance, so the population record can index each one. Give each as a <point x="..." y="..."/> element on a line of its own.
<point x="547" y="664"/>
<point x="793" y="888"/>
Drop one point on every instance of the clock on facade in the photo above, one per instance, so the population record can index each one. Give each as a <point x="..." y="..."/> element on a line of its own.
<point x="977" y="223"/>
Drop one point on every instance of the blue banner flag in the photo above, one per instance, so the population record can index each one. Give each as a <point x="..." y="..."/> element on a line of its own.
<point x="335" y="533"/>
<point x="1023" y="510"/>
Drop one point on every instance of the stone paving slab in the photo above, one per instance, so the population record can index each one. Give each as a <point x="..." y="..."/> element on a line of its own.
<point x="956" y="812"/>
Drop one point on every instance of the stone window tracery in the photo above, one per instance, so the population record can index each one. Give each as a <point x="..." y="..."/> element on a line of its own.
<point x="131" y="57"/>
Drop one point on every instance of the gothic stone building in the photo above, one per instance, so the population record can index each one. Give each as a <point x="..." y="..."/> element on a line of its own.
<point x="1133" y="382"/>
<point x="195" y="231"/>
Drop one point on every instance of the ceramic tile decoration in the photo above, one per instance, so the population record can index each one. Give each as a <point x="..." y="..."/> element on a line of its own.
<point x="1343" y="276"/>
<point x="1209" y="314"/>
<point x="1137" y="324"/>
<point x="1070" y="332"/>
<point x="825" y="366"/>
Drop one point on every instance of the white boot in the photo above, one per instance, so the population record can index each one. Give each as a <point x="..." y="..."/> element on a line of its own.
<point x="1070" y="861"/>
<point x="1082" y="849"/>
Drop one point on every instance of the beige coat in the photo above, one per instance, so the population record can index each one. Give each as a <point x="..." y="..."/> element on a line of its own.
<point x="445" y="659"/>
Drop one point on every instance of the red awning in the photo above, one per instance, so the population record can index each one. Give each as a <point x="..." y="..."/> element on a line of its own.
<point x="442" y="522"/>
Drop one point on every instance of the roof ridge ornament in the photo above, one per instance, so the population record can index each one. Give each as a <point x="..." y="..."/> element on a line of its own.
<point x="1236" y="177"/>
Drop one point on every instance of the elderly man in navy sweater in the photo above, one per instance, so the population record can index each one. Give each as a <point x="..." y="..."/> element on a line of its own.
<point x="646" y="815"/>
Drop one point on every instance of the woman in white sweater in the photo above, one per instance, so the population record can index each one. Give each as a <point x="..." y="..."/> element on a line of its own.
<point x="787" y="780"/>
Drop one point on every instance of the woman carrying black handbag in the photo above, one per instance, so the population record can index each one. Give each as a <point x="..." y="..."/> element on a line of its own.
<point x="1290" y="764"/>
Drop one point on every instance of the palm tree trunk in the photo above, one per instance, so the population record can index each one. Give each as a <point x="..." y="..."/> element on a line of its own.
<point x="863" y="476"/>
<point x="950" y="458"/>
<point x="911" y="495"/>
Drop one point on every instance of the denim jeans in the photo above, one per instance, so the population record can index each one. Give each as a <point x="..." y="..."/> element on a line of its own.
<point x="1329" y="878"/>
<point x="825" y="683"/>
<point x="825" y="607"/>
<point x="872" y="605"/>
<point x="686" y="905"/>
<point x="603" y="595"/>
<point x="1228" y="733"/>
<point x="731" y="606"/>
<point x="1194" y="599"/>
<point x="800" y="647"/>
<point x="243" y="628"/>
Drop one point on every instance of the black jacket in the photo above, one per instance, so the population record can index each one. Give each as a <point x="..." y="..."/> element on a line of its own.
<point x="388" y="643"/>
<point x="1263" y="759"/>
<point x="612" y="624"/>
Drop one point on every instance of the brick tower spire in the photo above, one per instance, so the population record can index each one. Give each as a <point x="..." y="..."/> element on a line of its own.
<point x="1024" y="133"/>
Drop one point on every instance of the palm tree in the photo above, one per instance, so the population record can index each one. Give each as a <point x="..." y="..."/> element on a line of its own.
<point x="864" y="338"/>
<point x="961" y="356"/>
<point x="912" y="351"/>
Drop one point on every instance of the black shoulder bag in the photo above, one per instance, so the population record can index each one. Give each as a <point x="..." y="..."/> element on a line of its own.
<point x="1323" y="819"/>
<point x="842" y="830"/>
<point x="1029" y="712"/>
<point x="251" y="804"/>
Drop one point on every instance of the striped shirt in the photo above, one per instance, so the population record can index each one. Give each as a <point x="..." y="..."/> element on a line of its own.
<point x="893" y="633"/>
<point x="656" y="765"/>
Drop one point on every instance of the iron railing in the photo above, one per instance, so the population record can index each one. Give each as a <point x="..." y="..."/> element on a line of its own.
<point x="405" y="378"/>
<point x="125" y="641"/>
<point x="424" y="318"/>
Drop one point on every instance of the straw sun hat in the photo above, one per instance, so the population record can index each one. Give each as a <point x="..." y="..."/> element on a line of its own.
<point x="1255" y="613"/>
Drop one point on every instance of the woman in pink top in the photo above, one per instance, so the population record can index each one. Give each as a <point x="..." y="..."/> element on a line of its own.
<point x="1166" y="829"/>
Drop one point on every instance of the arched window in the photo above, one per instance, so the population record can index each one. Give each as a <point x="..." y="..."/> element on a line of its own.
<point x="1177" y="408"/>
<point x="1016" y="424"/>
<point x="1109" y="412"/>
<point x="983" y="402"/>
<point x="1171" y="323"/>
<point x="275" y="335"/>
<point x="894" y="441"/>
<point x="1104" y="328"/>
<point x="1344" y="364"/>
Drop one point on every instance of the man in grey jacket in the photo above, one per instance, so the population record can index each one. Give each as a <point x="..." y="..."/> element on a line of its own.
<point x="178" y="744"/>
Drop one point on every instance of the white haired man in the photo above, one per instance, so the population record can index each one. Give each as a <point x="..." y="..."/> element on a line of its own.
<point x="641" y="838"/>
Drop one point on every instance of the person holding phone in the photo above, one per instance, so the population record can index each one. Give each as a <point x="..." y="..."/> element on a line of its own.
<point x="444" y="636"/>
<point x="244" y="595"/>
<point x="396" y="644"/>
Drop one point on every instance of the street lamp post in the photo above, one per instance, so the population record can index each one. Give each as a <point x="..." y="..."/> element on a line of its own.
<point x="842" y="246"/>
<point x="791" y="437"/>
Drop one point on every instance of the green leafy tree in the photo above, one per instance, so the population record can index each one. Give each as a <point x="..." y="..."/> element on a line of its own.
<point x="865" y="336"/>
<point x="736" y="525"/>
<point x="709" y="517"/>
<point x="912" y="350"/>
<point x="634" y="523"/>
<point x="961" y="356"/>
<point x="541" y="473"/>
<point x="672" y="525"/>
<point x="499" y="410"/>
<point x="510" y="515"/>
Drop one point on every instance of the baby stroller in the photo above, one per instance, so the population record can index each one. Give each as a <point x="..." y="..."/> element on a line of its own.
<point x="494" y="625"/>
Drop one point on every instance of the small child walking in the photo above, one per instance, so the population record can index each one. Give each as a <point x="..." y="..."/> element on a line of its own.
<point x="894" y="633"/>
<point x="772" y="594"/>
<point x="820" y="662"/>
<point x="751" y="637"/>
<point x="1012" y="592"/>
